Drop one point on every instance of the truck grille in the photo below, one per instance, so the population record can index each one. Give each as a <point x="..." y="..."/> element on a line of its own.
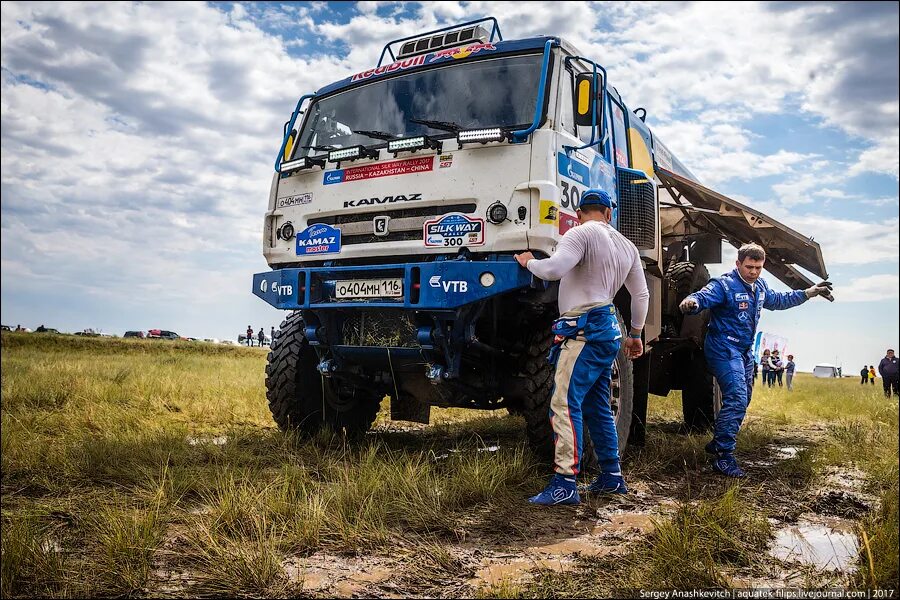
<point x="637" y="208"/>
<point x="405" y="223"/>
<point x="379" y="328"/>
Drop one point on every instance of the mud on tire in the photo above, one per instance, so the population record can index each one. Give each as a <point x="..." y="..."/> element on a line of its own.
<point x="300" y="398"/>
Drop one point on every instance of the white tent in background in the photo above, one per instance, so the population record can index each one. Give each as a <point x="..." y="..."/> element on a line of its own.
<point x="825" y="370"/>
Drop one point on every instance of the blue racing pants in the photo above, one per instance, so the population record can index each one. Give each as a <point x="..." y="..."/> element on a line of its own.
<point x="584" y="351"/>
<point x="733" y="369"/>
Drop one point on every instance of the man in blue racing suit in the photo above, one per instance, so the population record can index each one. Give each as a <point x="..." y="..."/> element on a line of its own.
<point x="735" y="301"/>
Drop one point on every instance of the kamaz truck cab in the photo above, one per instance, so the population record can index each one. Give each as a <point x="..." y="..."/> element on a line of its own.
<point x="401" y="194"/>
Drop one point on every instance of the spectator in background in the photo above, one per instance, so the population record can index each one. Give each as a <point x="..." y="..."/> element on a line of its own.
<point x="249" y="339"/>
<point x="261" y="336"/>
<point x="764" y="363"/>
<point x="890" y="376"/>
<point x="779" y="368"/>
<point x="789" y="372"/>
<point x="872" y="374"/>
<point x="864" y="375"/>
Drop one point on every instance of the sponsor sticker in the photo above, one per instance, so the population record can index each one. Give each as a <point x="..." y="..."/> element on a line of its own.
<point x="744" y="305"/>
<point x="462" y="51"/>
<point x="294" y="200"/>
<point x="549" y="212"/>
<point x="319" y="239"/>
<point x="567" y="222"/>
<point x="573" y="169"/>
<point x="387" y="169"/>
<point x="449" y="285"/>
<point x="445" y="160"/>
<point x="400" y="65"/>
<point x="742" y="296"/>
<point x="453" y="230"/>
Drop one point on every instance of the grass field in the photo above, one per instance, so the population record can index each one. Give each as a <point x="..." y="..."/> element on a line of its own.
<point x="141" y="468"/>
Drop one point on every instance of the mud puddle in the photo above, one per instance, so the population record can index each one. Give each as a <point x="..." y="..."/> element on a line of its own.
<point x="828" y="546"/>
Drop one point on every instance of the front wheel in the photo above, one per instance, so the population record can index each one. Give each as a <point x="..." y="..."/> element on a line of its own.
<point x="300" y="398"/>
<point x="531" y="390"/>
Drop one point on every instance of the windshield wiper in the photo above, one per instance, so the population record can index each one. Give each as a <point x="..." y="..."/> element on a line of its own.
<point x="321" y="148"/>
<point x="376" y="135"/>
<point x="442" y="125"/>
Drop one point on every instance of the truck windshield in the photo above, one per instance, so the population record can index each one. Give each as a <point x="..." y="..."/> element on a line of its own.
<point x="486" y="93"/>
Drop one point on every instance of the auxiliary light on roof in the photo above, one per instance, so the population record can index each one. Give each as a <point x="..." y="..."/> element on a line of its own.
<point x="351" y="153"/>
<point x="301" y="163"/>
<point x="414" y="143"/>
<point x="483" y="136"/>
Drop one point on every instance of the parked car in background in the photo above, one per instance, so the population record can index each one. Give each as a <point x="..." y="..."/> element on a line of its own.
<point x="134" y="334"/>
<point x="88" y="332"/>
<point x="211" y="340"/>
<point x="43" y="329"/>
<point x="162" y="334"/>
<point x="5" y="328"/>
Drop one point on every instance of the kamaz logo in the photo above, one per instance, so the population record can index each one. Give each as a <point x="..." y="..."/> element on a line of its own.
<point x="385" y="200"/>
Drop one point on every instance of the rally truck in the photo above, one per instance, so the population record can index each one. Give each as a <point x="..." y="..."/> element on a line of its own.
<point x="401" y="194"/>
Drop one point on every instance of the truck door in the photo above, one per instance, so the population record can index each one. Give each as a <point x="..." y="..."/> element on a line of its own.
<point x="578" y="168"/>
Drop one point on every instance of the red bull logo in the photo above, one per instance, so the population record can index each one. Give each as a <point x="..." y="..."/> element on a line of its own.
<point x="400" y="65"/>
<point x="462" y="51"/>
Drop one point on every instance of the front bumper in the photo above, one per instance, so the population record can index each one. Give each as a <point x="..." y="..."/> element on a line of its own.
<point x="439" y="285"/>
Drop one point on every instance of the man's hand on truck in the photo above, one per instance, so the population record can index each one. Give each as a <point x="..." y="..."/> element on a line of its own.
<point x="524" y="258"/>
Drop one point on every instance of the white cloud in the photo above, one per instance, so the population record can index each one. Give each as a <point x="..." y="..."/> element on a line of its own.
<point x="875" y="288"/>
<point x="138" y="139"/>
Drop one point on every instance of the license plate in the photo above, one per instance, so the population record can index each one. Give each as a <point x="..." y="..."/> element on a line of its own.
<point x="369" y="288"/>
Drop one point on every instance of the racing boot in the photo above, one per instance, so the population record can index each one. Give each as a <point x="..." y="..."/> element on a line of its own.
<point x="726" y="464"/>
<point x="608" y="483"/>
<point x="560" y="490"/>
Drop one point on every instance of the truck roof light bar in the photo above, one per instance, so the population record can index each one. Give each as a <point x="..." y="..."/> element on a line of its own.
<point x="483" y="136"/>
<point x="411" y="144"/>
<point x="351" y="153"/>
<point x="428" y="41"/>
<point x="301" y="163"/>
<point x="443" y="40"/>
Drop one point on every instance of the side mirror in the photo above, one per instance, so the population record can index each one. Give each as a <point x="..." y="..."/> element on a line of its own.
<point x="587" y="93"/>
<point x="289" y="146"/>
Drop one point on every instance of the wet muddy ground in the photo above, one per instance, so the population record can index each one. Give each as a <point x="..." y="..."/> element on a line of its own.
<point x="814" y="538"/>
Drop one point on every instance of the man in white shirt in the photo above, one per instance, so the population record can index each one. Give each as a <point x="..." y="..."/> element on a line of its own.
<point x="592" y="262"/>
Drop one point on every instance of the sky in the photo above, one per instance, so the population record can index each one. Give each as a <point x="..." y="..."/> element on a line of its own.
<point x="138" y="143"/>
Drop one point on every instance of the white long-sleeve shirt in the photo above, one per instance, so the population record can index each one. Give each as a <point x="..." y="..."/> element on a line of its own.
<point x="592" y="262"/>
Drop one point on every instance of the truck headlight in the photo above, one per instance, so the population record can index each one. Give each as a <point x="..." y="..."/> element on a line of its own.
<point x="286" y="231"/>
<point x="414" y="143"/>
<point x="496" y="213"/>
<point x="483" y="136"/>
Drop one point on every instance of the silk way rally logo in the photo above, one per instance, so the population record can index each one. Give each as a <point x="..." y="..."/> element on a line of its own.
<point x="454" y="230"/>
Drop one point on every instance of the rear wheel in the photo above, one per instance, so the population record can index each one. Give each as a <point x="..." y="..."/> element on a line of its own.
<point x="300" y="398"/>
<point x="698" y="396"/>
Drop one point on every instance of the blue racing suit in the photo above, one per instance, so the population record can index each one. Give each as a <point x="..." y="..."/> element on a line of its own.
<point x="583" y="352"/>
<point x="735" y="309"/>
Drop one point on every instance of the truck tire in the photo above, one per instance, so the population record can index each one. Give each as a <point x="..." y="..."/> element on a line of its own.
<point x="698" y="398"/>
<point x="300" y="398"/>
<point x="698" y="395"/>
<point x="535" y="382"/>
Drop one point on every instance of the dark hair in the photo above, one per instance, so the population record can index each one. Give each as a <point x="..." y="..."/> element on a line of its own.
<point x="751" y="251"/>
<point x="890" y="349"/>
<point x="790" y="356"/>
<point x="593" y="208"/>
